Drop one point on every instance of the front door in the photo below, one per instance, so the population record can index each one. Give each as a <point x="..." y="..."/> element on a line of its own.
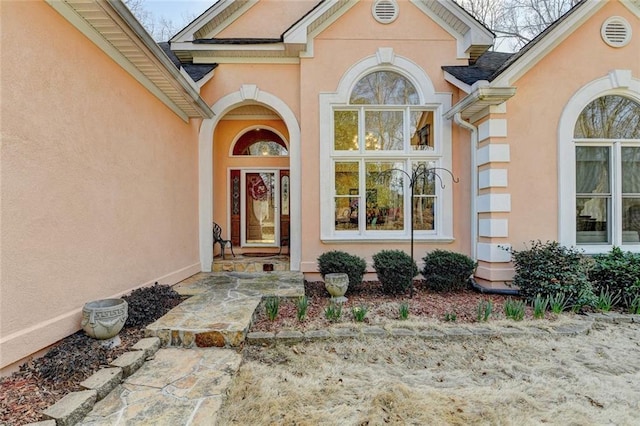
<point x="261" y="207"/>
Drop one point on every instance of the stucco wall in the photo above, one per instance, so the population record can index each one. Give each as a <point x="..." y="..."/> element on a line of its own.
<point x="98" y="179"/>
<point x="355" y="36"/>
<point x="533" y="119"/>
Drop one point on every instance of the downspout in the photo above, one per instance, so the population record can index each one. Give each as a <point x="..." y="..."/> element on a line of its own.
<point x="457" y="118"/>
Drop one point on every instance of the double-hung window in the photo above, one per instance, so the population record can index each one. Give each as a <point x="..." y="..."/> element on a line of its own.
<point x="384" y="140"/>
<point x="607" y="152"/>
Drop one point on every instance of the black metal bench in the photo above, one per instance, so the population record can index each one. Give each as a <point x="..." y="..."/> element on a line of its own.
<point x="217" y="239"/>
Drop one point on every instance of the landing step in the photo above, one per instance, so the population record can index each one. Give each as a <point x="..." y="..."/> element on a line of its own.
<point x="220" y="308"/>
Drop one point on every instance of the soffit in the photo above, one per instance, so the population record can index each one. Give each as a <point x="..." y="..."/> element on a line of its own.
<point x="110" y="25"/>
<point x="251" y="111"/>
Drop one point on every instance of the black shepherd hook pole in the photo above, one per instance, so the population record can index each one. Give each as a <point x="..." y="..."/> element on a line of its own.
<point x="420" y="172"/>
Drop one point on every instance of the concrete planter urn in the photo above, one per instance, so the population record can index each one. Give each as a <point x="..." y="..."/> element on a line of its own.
<point x="103" y="319"/>
<point x="337" y="285"/>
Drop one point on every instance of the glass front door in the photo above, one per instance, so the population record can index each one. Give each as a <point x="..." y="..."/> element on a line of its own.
<point x="261" y="223"/>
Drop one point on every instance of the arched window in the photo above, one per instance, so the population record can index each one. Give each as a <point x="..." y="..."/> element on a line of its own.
<point x="607" y="163"/>
<point x="380" y="135"/>
<point x="260" y="142"/>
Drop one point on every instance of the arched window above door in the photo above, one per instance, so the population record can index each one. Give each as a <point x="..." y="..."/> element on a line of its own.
<point x="260" y="142"/>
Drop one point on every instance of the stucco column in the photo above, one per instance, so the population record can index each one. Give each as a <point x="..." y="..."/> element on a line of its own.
<point x="493" y="200"/>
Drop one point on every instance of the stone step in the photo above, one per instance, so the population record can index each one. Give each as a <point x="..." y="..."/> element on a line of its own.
<point x="220" y="308"/>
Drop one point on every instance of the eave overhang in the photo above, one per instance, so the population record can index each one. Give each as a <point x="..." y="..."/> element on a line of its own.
<point x="481" y="97"/>
<point x="111" y="26"/>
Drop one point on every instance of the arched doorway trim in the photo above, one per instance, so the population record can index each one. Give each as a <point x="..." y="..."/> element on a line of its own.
<point x="246" y="94"/>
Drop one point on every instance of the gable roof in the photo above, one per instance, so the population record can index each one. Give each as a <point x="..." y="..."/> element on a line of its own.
<point x="492" y="88"/>
<point x="195" y="42"/>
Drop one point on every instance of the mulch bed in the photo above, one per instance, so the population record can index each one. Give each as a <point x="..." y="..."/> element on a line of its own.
<point x="43" y="381"/>
<point x="424" y="305"/>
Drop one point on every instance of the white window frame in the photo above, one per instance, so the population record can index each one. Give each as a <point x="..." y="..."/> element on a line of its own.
<point x="438" y="103"/>
<point x="617" y="82"/>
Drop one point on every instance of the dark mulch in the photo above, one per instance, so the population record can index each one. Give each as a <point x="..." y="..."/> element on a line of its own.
<point x="43" y="381"/>
<point x="424" y="305"/>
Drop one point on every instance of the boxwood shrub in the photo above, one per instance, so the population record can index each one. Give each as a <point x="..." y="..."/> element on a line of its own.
<point x="395" y="270"/>
<point x="446" y="270"/>
<point x="336" y="261"/>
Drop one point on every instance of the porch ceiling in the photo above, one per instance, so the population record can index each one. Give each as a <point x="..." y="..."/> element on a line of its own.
<point x="112" y="27"/>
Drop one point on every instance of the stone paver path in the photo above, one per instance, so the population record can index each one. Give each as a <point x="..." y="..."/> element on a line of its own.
<point x="221" y="306"/>
<point x="176" y="387"/>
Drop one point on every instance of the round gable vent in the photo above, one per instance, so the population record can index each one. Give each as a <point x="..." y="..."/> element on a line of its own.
<point x="385" y="11"/>
<point x="616" y="31"/>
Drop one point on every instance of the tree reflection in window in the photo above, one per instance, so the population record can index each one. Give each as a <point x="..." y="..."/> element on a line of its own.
<point x="384" y="88"/>
<point x="607" y="133"/>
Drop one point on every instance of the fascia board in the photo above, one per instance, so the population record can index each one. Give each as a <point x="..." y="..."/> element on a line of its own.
<point x="482" y="94"/>
<point x="457" y="82"/>
<point x="475" y="35"/>
<point x="299" y="32"/>
<point x="188" y="33"/>
<point x="230" y="47"/>
<point x="544" y="46"/>
<point x="633" y="6"/>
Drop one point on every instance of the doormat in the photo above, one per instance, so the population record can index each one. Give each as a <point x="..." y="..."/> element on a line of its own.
<point x="259" y="254"/>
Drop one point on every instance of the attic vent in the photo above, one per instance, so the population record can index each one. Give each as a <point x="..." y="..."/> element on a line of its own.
<point x="385" y="11"/>
<point x="616" y="31"/>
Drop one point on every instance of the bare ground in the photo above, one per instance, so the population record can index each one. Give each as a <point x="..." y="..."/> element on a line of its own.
<point x="583" y="380"/>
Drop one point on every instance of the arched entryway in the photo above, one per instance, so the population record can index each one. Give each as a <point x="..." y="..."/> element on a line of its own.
<point x="216" y="167"/>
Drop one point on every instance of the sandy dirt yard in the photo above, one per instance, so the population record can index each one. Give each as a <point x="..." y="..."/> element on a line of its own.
<point x="590" y="379"/>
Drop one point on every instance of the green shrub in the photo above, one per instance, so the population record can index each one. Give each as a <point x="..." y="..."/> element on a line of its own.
<point x="616" y="272"/>
<point x="403" y="311"/>
<point x="446" y="270"/>
<point x="549" y="269"/>
<point x="540" y="305"/>
<point x="333" y="312"/>
<point x="395" y="270"/>
<point x="302" y="304"/>
<point x="483" y="310"/>
<point x="336" y="261"/>
<point x="359" y="312"/>
<point x="272" y="306"/>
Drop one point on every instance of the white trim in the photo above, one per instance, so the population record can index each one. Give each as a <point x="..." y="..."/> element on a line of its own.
<point x="209" y="60"/>
<point x="466" y="88"/>
<point x="206" y="164"/>
<point x="494" y="153"/>
<point x="495" y="253"/>
<point x="548" y="43"/>
<point x="492" y="128"/>
<point x="493" y="178"/>
<point x="493" y="228"/>
<point x="616" y="82"/>
<point x="438" y="102"/>
<point x="188" y="32"/>
<point x="468" y="32"/>
<point x="252" y="127"/>
<point x="494" y="203"/>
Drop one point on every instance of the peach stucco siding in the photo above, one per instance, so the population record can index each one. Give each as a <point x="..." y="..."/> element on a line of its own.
<point x="96" y="201"/>
<point x="534" y="114"/>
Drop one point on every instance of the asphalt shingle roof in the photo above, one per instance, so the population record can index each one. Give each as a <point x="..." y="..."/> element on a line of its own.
<point x="195" y="71"/>
<point x="483" y="69"/>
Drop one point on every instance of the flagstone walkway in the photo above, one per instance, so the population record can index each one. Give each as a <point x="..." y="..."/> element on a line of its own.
<point x="184" y="382"/>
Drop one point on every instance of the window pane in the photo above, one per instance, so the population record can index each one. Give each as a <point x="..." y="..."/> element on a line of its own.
<point x="383" y="130"/>
<point x="609" y="117"/>
<point x="384" y="196"/>
<point x="631" y="220"/>
<point x="345" y="126"/>
<point x="347" y="178"/>
<point x="267" y="148"/>
<point x="423" y="213"/>
<point x="421" y="130"/>
<point x="384" y="88"/>
<point x="592" y="224"/>
<point x="631" y="170"/>
<point x="424" y="178"/>
<point x="592" y="169"/>
<point x="347" y="195"/>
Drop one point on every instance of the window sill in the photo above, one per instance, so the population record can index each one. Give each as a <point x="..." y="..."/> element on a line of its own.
<point x="606" y="248"/>
<point x="386" y="239"/>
